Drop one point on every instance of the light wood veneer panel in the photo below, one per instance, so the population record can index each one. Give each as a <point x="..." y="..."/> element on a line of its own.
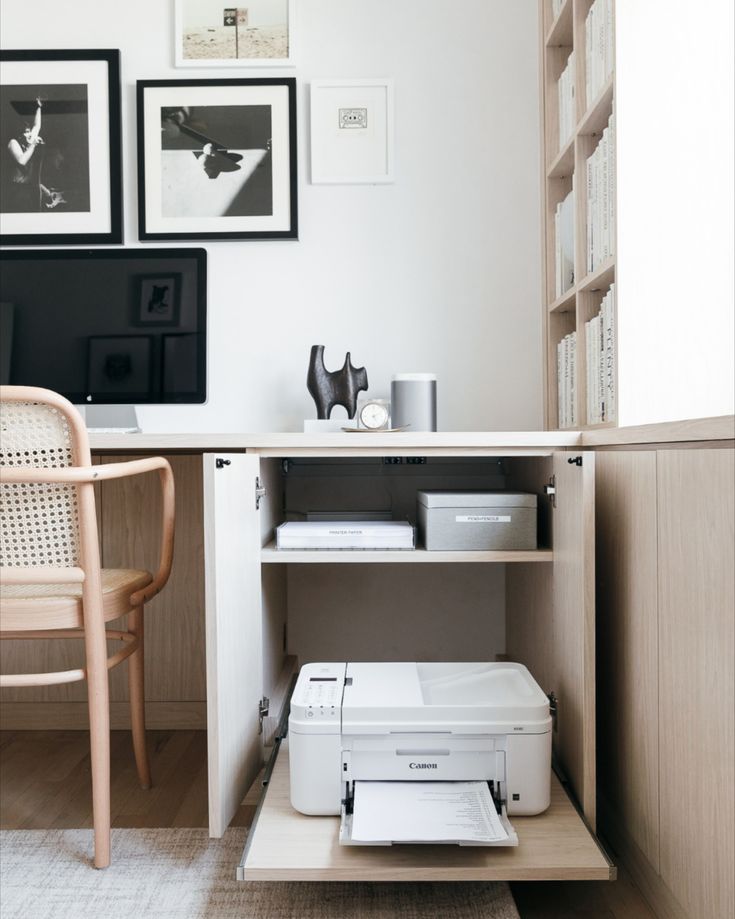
<point x="627" y="642"/>
<point x="174" y="620"/>
<point x="697" y="686"/>
<point x="289" y="846"/>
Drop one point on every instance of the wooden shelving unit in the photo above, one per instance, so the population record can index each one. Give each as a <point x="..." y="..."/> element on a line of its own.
<point x="568" y="312"/>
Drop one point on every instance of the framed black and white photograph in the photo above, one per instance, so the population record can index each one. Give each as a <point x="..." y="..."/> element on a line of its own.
<point x="60" y="181"/>
<point x="119" y="365"/>
<point x="352" y="131"/>
<point x="157" y="301"/>
<point x="217" y="159"/>
<point x="209" y="33"/>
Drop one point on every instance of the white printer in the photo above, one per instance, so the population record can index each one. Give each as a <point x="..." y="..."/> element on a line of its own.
<point x="353" y="723"/>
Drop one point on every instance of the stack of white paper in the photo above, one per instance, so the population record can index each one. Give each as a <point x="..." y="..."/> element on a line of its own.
<point x="425" y="812"/>
<point x="336" y="534"/>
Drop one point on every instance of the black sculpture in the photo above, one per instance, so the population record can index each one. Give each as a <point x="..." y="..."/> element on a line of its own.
<point x="334" y="387"/>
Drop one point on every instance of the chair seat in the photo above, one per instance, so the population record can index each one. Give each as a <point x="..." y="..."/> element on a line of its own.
<point x="32" y="607"/>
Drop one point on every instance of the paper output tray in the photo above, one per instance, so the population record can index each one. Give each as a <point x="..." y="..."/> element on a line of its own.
<point x="345" y="834"/>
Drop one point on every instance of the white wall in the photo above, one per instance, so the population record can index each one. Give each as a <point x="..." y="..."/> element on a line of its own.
<point x="674" y="104"/>
<point x="438" y="272"/>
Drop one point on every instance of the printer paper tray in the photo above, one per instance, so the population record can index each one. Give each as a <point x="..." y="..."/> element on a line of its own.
<point x="347" y="818"/>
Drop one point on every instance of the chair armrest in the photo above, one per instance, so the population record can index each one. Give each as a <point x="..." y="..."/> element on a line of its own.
<point x="83" y="475"/>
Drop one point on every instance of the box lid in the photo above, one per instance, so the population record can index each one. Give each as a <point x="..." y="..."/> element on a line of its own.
<point x="476" y="499"/>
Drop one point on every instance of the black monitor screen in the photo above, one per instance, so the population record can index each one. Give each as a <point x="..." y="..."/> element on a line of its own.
<point x="105" y="325"/>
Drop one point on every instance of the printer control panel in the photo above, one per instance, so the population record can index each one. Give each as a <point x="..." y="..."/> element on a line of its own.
<point x="317" y="697"/>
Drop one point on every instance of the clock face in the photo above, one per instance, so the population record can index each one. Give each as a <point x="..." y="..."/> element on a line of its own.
<point x="374" y="415"/>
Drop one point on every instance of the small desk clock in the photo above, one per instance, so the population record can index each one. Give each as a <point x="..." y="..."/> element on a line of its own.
<point x="374" y="414"/>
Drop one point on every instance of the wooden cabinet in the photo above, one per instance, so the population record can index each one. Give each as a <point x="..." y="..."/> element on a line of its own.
<point x="129" y="527"/>
<point x="570" y="301"/>
<point x="266" y="607"/>
<point x="666" y="664"/>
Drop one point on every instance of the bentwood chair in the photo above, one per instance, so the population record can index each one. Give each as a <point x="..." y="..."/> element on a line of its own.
<point x="52" y="585"/>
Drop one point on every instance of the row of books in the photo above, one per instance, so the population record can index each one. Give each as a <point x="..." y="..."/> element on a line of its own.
<point x="600" y="358"/>
<point x="564" y="243"/>
<point x="601" y="199"/>
<point x="567" y="104"/>
<point x="598" y="45"/>
<point x="566" y="378"/>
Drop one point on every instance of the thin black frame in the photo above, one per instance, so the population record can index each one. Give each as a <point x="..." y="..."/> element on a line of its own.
<point x="292" y="231"/>
<point x="115" y="233"/>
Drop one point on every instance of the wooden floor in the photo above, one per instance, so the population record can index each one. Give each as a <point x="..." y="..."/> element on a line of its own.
<point x="45" y="784"/>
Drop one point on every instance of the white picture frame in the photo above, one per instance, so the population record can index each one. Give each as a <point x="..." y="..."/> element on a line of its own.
<point x="352" y="132"/>
<point x="201" y="38"/>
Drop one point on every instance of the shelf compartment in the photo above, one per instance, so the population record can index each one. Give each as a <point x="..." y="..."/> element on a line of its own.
<point x="599" y="279"/>
<point x="272" y="556"/>
<point x="563" y="164"/>
<point x="560" y="32"/>
<point x="285" y="845"/>
<point x="565" y="303"/>
<point x="596" y="117"/>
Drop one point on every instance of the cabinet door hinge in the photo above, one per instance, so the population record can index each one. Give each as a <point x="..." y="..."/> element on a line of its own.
<point x="260" y="492"/>
<point x="263" y="708"/>
<point x="575" y="460"/>
<point x="553" y="708"/>
<point x="550" y="490"/>
<point x="221" y="463"/>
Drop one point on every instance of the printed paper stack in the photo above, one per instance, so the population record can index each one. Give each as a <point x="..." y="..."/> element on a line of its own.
<point x="336" y="534"/>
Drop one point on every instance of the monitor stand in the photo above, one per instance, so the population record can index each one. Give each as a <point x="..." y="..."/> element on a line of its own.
<point x="110" y="419"/>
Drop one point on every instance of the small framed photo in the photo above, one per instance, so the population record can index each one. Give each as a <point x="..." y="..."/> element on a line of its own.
<point x="217" y="159"/>
<point x="60" y="136"/>
<point x="158" y="300"/>
<point x="209" y="34"/>
<point x="119" y="367"/>
<point x="352" y="131"/>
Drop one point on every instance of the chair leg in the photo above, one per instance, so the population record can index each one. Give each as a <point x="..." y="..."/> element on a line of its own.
<point x="99" y="738"/>
<point x="137" y="699"/>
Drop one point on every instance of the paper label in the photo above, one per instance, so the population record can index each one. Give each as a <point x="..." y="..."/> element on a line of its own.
<point x="481" y="518"/>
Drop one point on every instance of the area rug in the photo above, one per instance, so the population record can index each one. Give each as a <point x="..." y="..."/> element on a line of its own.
<point x="183" y="874"/>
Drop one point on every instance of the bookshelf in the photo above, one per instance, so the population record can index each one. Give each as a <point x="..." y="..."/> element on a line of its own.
<point x="578" y="154"/>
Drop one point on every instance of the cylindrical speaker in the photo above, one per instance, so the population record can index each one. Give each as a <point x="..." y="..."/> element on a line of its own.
<point x="413" y="401"/>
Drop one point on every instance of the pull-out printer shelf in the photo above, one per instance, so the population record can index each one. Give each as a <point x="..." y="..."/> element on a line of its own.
<point x="284" y="845"/>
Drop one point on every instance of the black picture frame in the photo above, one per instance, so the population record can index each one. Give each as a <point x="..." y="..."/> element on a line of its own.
<point x="158" y="300"/>
<point x="217" y="159"/>
<point x="60" y="196"/>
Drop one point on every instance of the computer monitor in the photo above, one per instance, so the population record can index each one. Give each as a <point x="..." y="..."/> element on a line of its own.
<point x="106" y="326"/>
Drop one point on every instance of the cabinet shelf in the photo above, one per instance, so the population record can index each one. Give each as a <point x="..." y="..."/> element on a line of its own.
<point x="269" y="554"/>
<point x="555" y="845"/>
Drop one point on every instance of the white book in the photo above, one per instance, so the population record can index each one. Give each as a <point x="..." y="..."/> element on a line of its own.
<point x="612" y="186"/>
<point x="588" y="368"/>
<point x="338" y="534"/>
<point x="605" y="202"/>
<point x="559" y="377"/>
<point x="588" y="167"/>
<point x="601" y="368"/>
<point x="573" y="379"/>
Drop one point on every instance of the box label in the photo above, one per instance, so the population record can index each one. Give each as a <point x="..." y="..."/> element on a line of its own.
<point x="481" y="518"/>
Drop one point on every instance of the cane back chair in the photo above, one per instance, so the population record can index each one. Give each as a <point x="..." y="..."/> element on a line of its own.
<point x="52" y="584"/>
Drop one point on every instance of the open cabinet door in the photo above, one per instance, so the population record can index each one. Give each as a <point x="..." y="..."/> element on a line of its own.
<point x="573" y="634"/>
<point x="234" y="631"/>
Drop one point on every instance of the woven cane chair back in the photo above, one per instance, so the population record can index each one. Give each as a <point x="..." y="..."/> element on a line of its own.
<point x="39" y="523"/>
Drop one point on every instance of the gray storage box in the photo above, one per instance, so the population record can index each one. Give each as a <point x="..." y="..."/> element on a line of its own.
<point x="477" y="520"/>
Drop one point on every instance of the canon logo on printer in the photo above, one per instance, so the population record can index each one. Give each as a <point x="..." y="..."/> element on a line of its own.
<point x="422" y="766"/>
